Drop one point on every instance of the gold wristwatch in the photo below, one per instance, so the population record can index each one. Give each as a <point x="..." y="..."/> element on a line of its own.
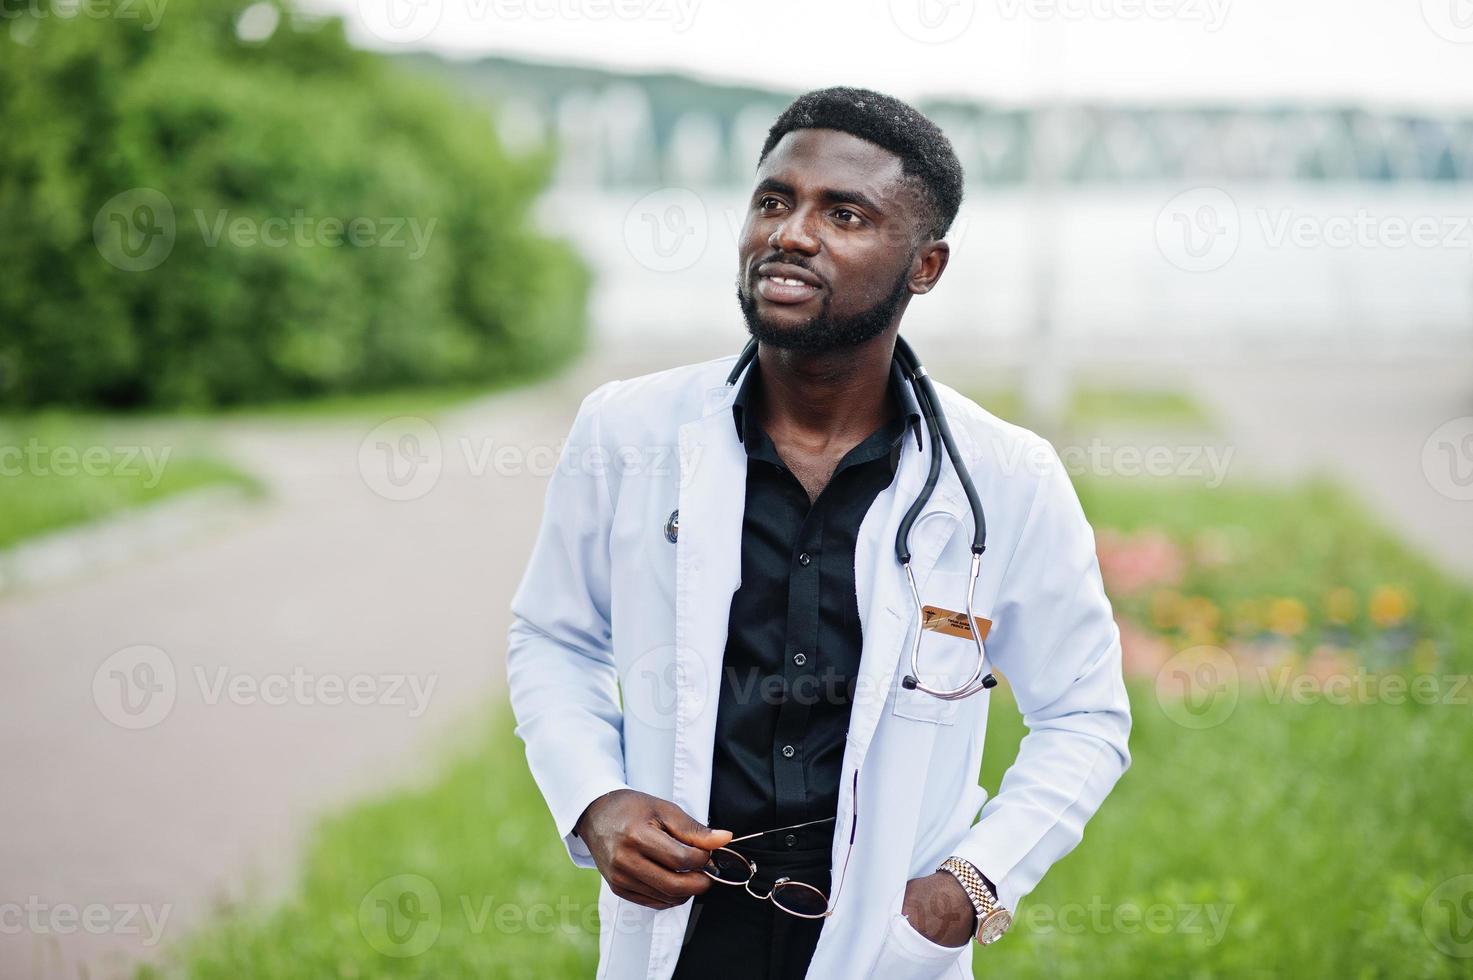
<point x="992" y="919"/>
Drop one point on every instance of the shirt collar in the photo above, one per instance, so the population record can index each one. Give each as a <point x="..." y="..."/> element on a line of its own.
<point x="904" y="392"/>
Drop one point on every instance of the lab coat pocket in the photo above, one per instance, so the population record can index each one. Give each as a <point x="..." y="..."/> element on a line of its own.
<point x="946" y="661"/>
<point x="905" y="954"/>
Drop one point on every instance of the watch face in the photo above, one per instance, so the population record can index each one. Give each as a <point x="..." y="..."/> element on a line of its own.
<point x="991" y="928"/>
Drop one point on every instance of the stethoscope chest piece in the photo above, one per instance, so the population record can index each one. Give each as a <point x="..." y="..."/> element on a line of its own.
<point x="672" y="526"/>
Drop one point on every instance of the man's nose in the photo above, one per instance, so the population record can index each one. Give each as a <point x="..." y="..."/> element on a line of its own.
<point x="793" y="234"/>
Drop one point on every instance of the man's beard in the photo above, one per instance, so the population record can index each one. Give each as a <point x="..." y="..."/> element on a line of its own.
<point x="825" y="333"/>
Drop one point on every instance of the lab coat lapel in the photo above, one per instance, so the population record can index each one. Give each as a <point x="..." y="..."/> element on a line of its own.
<point x="708" y="552"/>
<point x="887" y="611"/>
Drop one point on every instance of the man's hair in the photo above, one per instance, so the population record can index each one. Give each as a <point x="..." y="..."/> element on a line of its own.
<point x="926" y="156"/>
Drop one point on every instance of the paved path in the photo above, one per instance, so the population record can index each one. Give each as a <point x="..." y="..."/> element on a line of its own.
<point x="329" y="580"/>
<point x="1367" y="423"/>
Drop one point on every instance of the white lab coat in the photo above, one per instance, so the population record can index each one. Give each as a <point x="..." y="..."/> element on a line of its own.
<point x="608" y="607"/>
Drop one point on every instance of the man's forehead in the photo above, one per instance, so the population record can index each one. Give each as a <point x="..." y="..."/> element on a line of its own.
<point x="830" y="157"/>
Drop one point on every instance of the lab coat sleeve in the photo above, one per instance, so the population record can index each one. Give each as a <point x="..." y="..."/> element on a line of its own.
<point x="559" y="661"/>
<point x="1056" y="642"/>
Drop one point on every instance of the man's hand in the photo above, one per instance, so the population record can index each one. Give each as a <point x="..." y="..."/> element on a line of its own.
<point x="939" y="909"/>
<point x="650" y="851"/>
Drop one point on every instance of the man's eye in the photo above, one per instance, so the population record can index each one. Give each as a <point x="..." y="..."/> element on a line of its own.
<point x="847" y="216"/>
<point x="762" y="203"/>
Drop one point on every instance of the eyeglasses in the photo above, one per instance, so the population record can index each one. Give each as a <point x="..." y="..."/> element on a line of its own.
<point x="729" y="867"/>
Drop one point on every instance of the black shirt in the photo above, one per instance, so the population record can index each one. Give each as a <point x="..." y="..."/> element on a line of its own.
<point x="793" y="644"/>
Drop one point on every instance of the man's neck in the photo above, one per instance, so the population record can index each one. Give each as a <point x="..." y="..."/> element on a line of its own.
<point x="816" y="402"/>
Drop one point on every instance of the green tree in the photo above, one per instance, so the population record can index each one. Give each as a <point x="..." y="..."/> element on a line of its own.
<point x="189" y="219"/>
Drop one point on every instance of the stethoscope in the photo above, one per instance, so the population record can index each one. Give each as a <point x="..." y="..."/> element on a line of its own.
<point x="915" y="372"/>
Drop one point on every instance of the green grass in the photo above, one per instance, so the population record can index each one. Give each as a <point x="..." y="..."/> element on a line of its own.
<point x="1138" y="405"/>
<point x="1302" y="545"/>
<point x="1294" y="839"/>
<point x="1093" y="406"/>
<point x="57" y="471"/>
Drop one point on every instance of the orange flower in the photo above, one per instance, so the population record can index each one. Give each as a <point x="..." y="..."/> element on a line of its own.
<point x="1388" y="605"/>
<point x="1287" y="616"/>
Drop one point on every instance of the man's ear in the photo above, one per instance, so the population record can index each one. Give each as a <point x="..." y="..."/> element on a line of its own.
<point x="931" y="259"/>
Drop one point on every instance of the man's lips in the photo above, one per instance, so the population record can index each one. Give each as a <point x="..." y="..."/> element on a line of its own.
<point x="786" y="284"/>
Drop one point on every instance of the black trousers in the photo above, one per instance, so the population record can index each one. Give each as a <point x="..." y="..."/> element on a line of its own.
<point x="733" y="935"/>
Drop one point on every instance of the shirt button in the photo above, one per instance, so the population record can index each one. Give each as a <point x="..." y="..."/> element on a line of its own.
<point x="791" y="840"/>
<point x="803" y="558"/>
<point x="788" y="751"/>
<point x="800" y="659"/>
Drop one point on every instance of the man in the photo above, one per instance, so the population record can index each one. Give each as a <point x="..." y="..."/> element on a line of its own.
<point x="717" y="648"/>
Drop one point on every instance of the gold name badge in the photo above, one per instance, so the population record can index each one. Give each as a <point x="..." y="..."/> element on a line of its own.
<point x="952" y="623"/>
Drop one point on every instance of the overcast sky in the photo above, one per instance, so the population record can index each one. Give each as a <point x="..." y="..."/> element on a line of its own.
<point x="1387" y="52"/>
